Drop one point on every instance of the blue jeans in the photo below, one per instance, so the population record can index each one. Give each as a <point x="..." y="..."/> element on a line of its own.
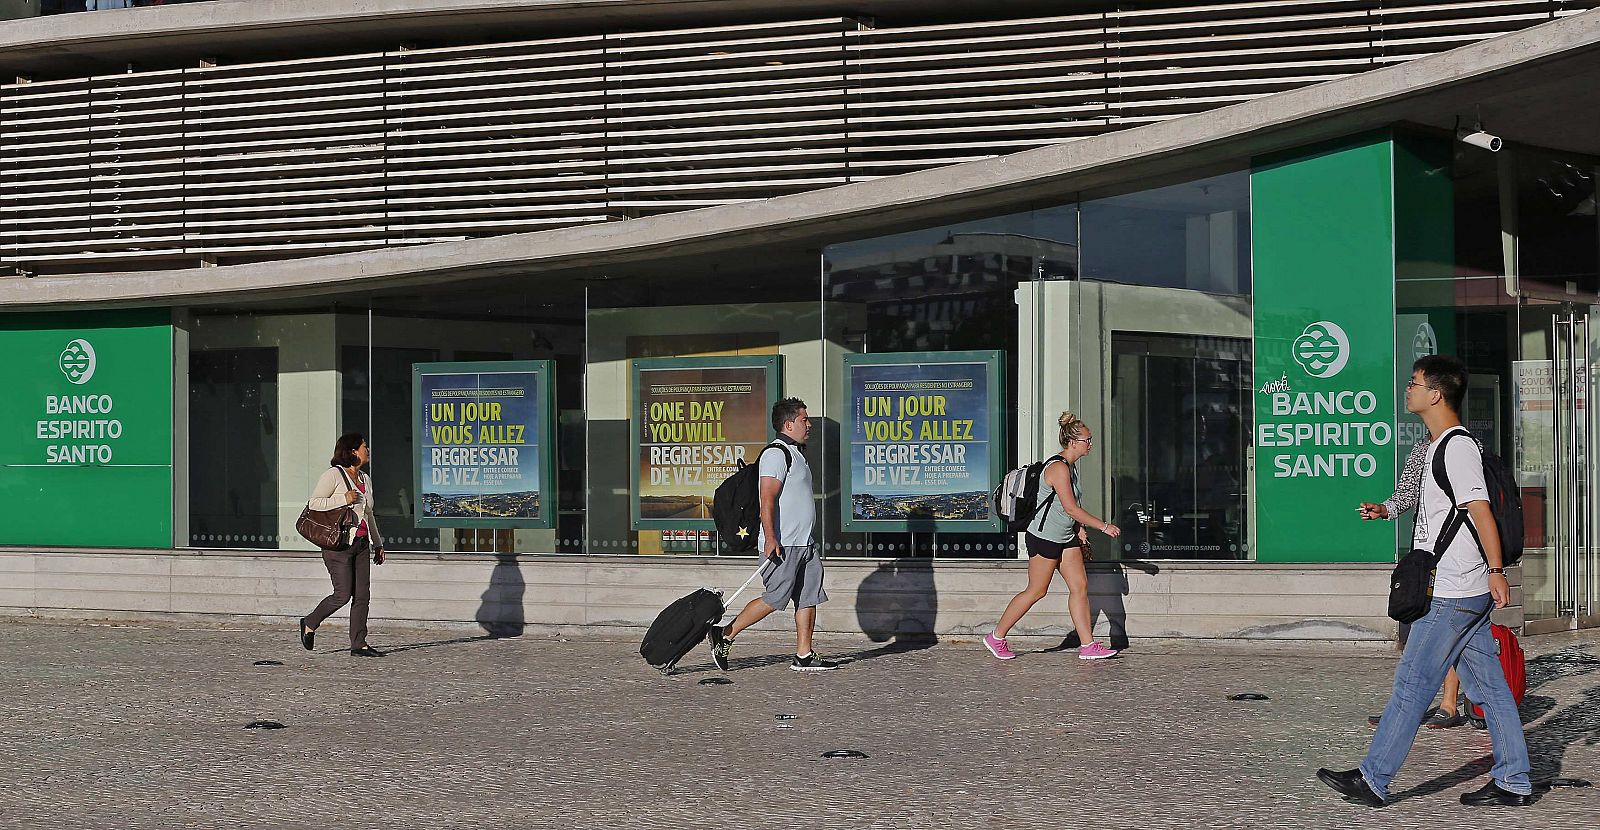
<point x="1454" y="633"/>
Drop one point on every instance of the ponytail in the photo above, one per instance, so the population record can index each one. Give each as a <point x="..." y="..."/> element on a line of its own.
<point x="1072" y="428"/>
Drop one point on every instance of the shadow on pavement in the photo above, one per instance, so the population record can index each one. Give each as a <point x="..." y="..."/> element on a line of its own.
<point x="1110" y="605"/>
<point x="898" y="602"/>
<point x="1548" y="742"/>
<point x="500" y="613"/>
<point x="436" y="643"/>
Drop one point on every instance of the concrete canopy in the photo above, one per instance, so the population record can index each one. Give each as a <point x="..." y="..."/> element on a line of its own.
<point x="1539" y="86"/>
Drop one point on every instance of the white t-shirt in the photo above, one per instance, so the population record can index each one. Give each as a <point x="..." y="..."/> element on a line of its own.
<point x="797" y="510"/>
<point x="1462" y="570"/>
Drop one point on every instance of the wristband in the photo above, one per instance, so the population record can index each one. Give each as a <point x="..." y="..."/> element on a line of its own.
<point x="1501" y="571"/>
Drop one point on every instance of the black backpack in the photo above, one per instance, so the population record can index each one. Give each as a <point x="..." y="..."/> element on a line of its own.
<point x="1505" y="501"/>
<point x="736" y="506"/>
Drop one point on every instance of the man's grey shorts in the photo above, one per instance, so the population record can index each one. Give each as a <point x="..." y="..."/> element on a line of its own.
<point x="797" y="579"/>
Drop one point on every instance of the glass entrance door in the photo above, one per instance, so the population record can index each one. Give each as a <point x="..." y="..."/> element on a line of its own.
<point x="1180" y="423"/>
<point x="1555" y="463"/>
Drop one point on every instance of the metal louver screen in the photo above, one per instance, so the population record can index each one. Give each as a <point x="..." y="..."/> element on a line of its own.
<point x="301" y="157"/>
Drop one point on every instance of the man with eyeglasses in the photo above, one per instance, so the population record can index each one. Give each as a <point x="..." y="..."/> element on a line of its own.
<point x="1407" y="492"/>
<point x="1469" y="583"/>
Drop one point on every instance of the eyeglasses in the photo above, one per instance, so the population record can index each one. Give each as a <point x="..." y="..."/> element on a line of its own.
<point x="1089" y="441"/>
<point x="1411" y="383"/>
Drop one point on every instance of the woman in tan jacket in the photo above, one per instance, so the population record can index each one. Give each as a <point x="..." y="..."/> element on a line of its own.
<point x="343" y="484"/>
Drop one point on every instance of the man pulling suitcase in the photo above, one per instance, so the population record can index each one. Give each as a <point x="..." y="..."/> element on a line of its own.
<point x="788" y="520"/>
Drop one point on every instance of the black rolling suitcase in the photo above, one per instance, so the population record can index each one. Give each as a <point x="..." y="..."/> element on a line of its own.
<point x="683" y="625"/>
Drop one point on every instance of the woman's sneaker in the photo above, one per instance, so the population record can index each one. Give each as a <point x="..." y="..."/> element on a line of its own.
<point x="997" y="647"/>
<point x="1095" y="651"/>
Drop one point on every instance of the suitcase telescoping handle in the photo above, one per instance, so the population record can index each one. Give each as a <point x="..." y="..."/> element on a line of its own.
<point x="729" y="602"/>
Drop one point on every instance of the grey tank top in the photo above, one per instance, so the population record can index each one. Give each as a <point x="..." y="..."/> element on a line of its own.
<point x="1050" y="521"/>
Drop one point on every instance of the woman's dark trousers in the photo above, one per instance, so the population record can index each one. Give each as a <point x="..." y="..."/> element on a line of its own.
<point x="351" y="572"/>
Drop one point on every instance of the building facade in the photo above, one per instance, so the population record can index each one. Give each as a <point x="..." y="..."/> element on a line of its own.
<point x="556" y="260"/>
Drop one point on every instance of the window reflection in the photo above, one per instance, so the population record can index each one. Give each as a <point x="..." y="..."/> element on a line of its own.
<point x="1192" y="235"/>
<point x="1558" y="236"/>
<point x="233" y="455"/>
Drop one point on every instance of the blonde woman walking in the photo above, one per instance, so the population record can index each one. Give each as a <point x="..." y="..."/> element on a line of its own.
<point x="1056" y="541"/>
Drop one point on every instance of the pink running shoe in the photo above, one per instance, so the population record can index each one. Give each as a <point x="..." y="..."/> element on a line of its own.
<point x="997" y="647"/>
<point x="1095" y="651"/>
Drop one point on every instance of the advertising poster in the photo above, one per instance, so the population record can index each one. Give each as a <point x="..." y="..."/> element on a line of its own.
<point x="694" y="419"/>
<point x="922" y="446"/>
<point x="484" y="435"/>
<point x="1535" y="406"/>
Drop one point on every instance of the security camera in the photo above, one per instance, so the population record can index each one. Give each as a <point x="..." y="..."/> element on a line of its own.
<point x="1482" y="139"/>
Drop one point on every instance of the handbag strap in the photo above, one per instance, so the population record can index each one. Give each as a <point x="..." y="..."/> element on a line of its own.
<point x="346" y="476"/>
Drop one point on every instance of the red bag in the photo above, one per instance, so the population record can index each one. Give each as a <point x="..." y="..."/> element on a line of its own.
<point x="1511" y="661"/>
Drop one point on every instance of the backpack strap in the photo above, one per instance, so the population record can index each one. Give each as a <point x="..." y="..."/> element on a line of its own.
<point x="1458" y="515"/>
<point x="1043" y="514"/>
<point x="788" y="460"/>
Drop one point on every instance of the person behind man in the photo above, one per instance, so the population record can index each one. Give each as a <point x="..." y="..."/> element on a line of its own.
<point x="788" y="518"/>
<point x="1447" y="715"/>
<point x="1469" y="582"/>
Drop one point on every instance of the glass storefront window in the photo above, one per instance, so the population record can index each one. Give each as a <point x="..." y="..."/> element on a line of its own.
<point x="506" y="325"/>
<point x="1193" y="235"/>
<point x="948" y="289"/>
<point x="233" y="469"/>
<point x="682" y="362"/>
<point x="260" y="382"/>
<point x="1558" y="238"/>
<point x="661" y="374"/>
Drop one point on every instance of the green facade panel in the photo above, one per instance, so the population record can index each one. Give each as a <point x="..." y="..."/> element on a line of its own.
<point x="1323" y="238"/>
<point x="86" y="429"/>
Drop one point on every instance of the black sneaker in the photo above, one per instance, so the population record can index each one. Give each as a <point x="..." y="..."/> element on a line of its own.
<point x="720" y="646"/>
<point x="812" y="662"/>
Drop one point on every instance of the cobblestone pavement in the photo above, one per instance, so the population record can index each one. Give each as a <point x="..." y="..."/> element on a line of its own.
<point x="143" y="727"/>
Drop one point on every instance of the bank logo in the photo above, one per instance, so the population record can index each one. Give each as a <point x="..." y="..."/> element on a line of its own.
<point x="77" y="361"/>
<point x="1424" y="342"/>
<point x="1322" y="349"/>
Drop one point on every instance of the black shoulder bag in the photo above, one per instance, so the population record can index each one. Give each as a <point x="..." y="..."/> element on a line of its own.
<point x="1411" y="587"/>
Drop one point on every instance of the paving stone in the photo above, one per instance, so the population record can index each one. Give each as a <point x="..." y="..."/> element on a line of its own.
<point x="143" y="726"/>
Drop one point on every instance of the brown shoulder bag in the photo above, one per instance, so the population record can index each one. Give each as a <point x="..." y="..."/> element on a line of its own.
<point x="328" y="529"/>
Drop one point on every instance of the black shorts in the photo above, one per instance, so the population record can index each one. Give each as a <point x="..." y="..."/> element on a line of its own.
<point x="1052" y="550"/>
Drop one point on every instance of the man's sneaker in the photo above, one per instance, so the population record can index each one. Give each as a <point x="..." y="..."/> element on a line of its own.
<point x="812" y="662"/>
<point x="720" y="646"/>
<point x="997" y="647"/>
<point x="1095" y="651"/>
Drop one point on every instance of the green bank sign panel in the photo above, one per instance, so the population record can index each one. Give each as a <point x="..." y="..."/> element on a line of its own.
<point x="1324" y="335"/>
<point x="86" y="430"/>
